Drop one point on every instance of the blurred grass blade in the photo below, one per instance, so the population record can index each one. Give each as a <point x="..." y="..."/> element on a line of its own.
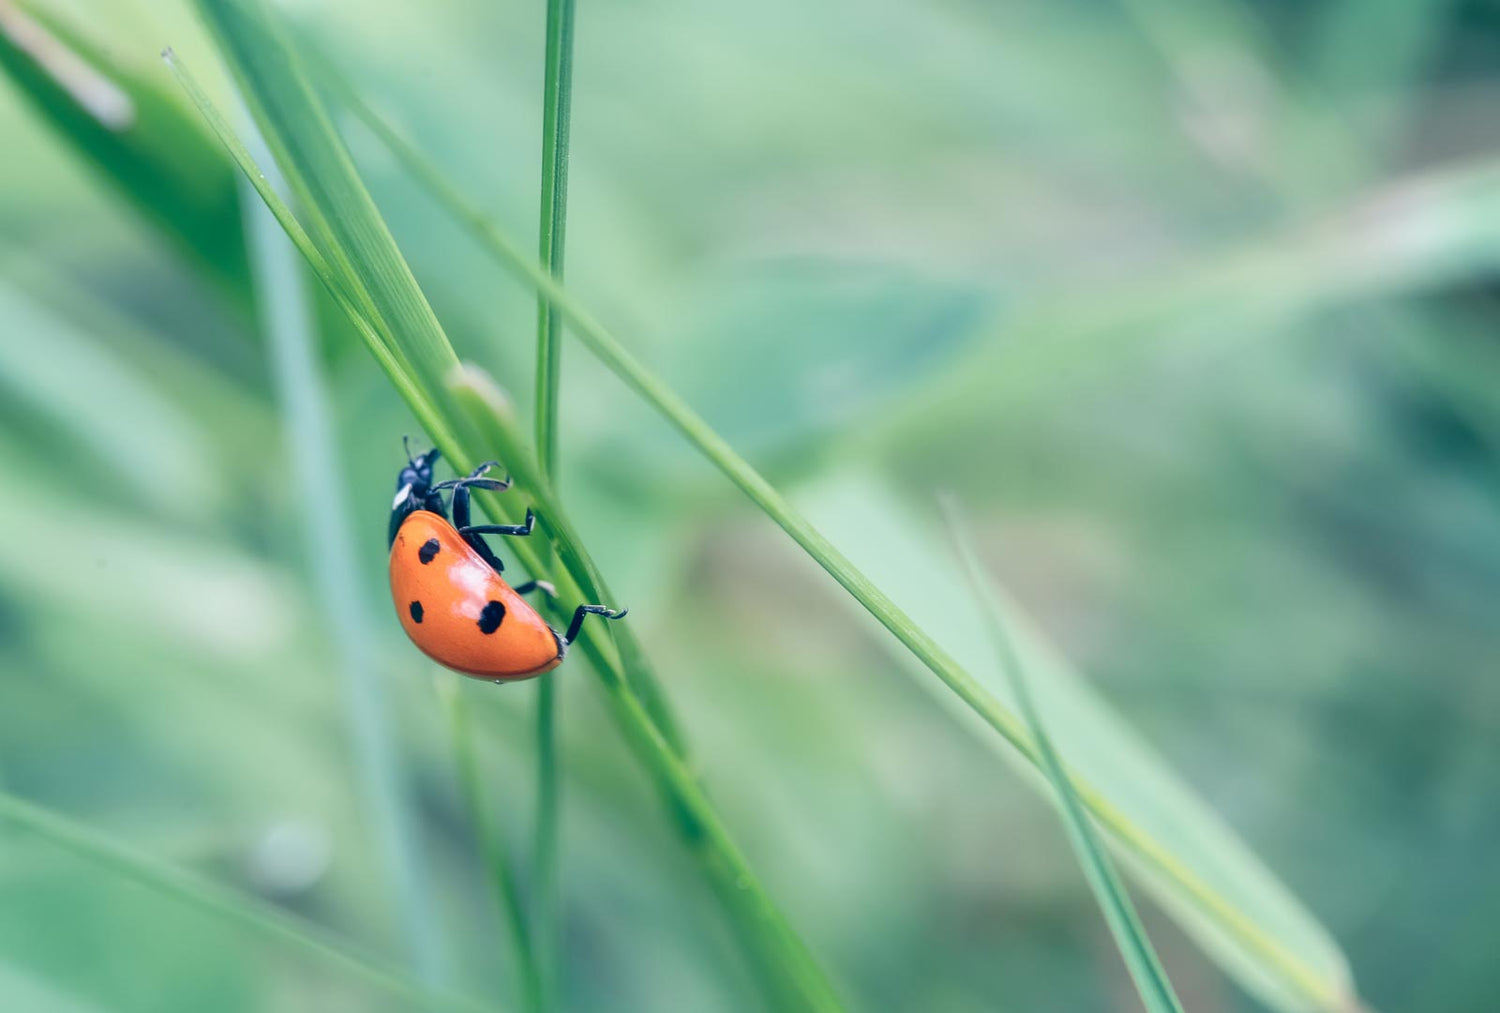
<point x="1192" y="884"/>
<point x="217" y="901"/>
<point x="492" y="849"/>
<point x="552" y="230"/>
<point x="351" y="250"/>
<point x="1114" y="900"/>
<point x="897" y="548"/>
<point x="138" y="137"/>
<point x="287" y="320"/>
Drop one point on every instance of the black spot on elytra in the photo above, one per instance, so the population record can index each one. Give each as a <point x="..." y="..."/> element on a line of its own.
<point x="416" y="611"/>
<point x="428" y="550"/>
<point x="490" y="618"/>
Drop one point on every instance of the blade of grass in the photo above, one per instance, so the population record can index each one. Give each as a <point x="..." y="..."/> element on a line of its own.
<point x="1114" y="900"/>
<point x="556" y="116"/>
<point x="492" y="849"/>
<point x="1304" y="977"/>
<point x="338" y="212"/>
<point x="360" y="256"/>
<point x="416" y="367"/>
<point x="338" y="286"/>
<point x="286" y="319"/>
<point x="545" y="839"/>
<point x="218" y="901"/>
<point x="377" y="344"/>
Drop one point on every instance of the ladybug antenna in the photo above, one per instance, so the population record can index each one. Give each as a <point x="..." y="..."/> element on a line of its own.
<point x="406" y="445"/>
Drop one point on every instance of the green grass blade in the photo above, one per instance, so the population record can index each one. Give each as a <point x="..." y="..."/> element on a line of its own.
<point x="286" y="317"/>
<point x="492" y="849"/>
<point x="339" y="285"/>
<point x="552" y="230"/>
<point x="556" y="117"/>
<point x="1114" y="900"/>
<point x="338" y="211"/>
<point x="1298" y="974"/>
<point x="545" y="835"/>
<point x="353" y="259"/>
<point x="218" y="901"/>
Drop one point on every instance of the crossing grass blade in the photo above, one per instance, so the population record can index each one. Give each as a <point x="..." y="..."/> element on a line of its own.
<point x="352" y="252"/>
<point x="219" y="902"/>
<point x="1280" y="951"/>
<point x="1114" y="900"/>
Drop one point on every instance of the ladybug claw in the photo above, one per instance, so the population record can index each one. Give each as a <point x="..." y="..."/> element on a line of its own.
<point x="590" y="610"/>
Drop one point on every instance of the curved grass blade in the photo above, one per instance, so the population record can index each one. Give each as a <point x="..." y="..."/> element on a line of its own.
<point x="1114" y="900"/>
<point x="1299" y="979"/>
<point x="786" y="969"/>
<point x="218" y="901"/>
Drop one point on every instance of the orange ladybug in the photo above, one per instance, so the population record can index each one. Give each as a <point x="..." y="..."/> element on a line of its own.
<point x="447" y="588"/>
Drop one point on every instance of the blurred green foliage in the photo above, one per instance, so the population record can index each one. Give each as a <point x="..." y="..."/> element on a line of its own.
<point x="1191" y="303"/>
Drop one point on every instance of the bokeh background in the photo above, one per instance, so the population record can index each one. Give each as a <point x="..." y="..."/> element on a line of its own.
<point x="1192" y="304"/>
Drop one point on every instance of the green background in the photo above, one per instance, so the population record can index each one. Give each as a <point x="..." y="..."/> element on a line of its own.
<point x="1191" y="304"/>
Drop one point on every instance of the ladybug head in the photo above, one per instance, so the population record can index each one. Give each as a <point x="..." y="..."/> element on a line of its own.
<point x="414" y="483"/>
<point x="414" y="489"/>
<point x="415" y="479"/>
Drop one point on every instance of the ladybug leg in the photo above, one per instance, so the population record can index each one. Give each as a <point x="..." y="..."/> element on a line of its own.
<point x="492" y="529"/>
<point x="590" y="610"/>
<point x="536" y="585"/>
<point x="461" y="522"/>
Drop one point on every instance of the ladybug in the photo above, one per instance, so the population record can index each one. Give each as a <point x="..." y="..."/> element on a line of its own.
<point x="446" y="583"/>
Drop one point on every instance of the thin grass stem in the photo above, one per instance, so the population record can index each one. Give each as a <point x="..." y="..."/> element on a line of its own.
<point x="552" y="229"/>
<point x="1114" y="900"/>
